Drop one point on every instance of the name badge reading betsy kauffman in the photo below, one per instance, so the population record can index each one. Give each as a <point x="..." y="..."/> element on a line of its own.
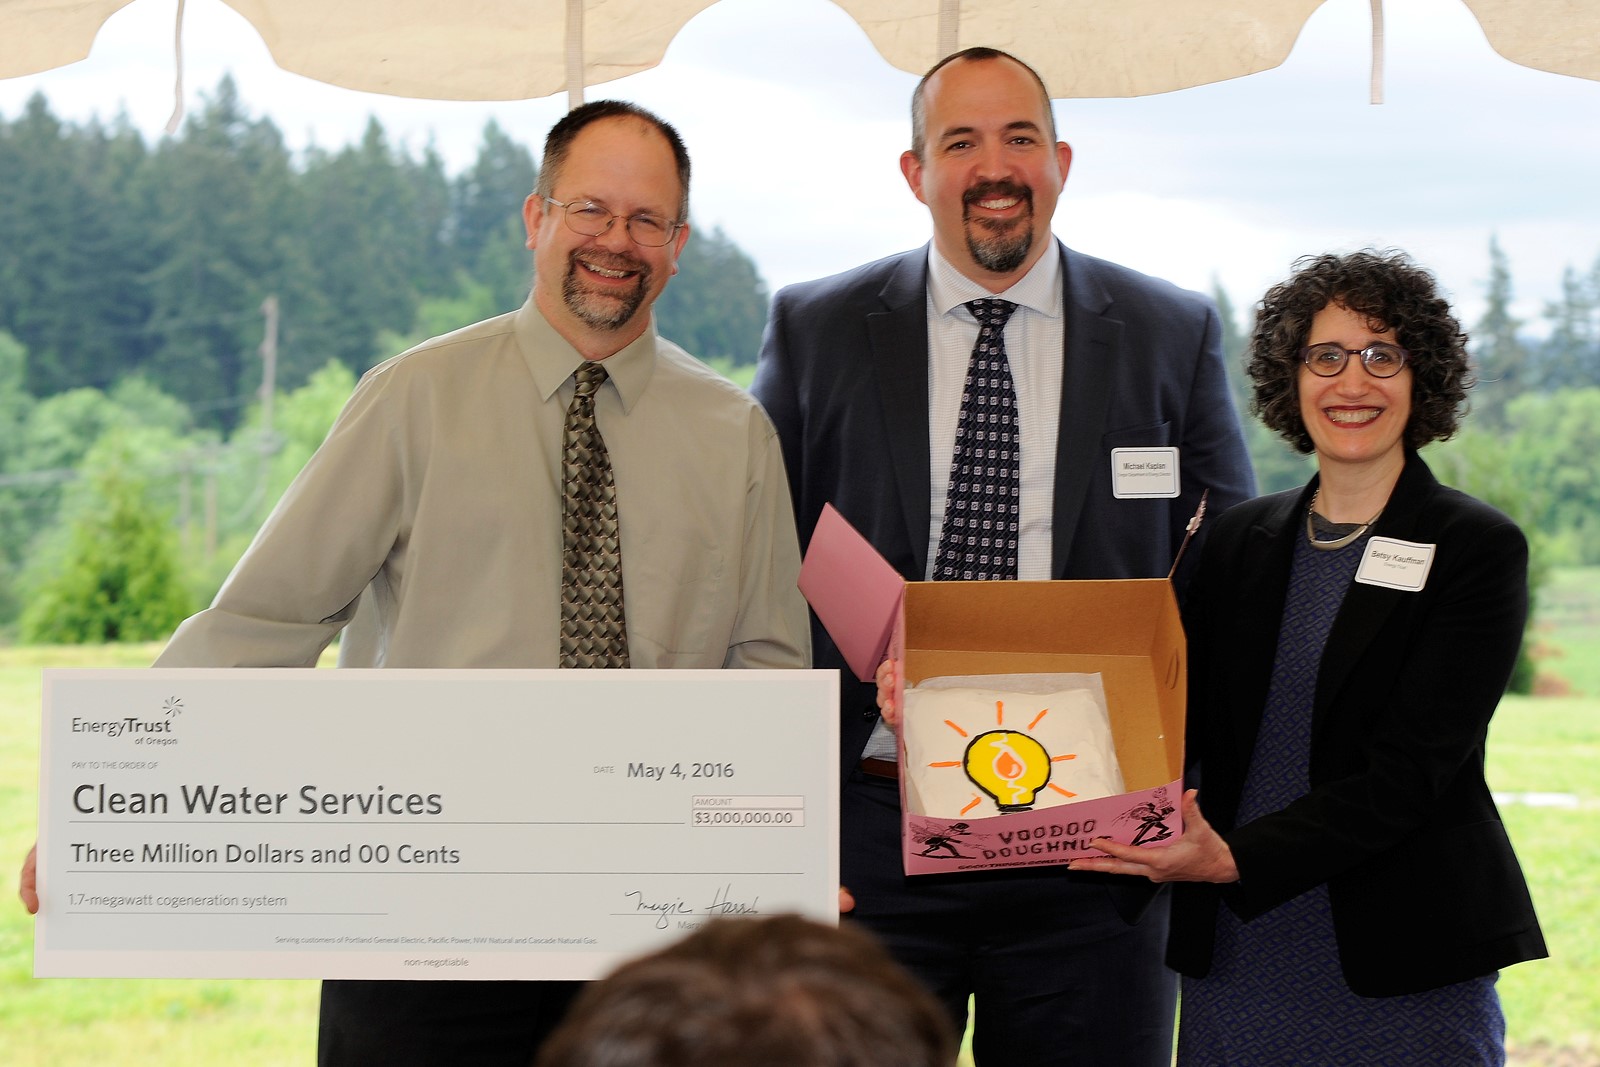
<point x="1137" y="473"/>
<point x="1394" y="564"/>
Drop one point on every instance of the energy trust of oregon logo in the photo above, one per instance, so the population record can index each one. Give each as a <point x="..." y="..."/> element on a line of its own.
<point x="156" y="731"/>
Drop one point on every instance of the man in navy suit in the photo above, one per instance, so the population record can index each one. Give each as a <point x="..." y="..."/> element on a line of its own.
<point x="863" y="375"/>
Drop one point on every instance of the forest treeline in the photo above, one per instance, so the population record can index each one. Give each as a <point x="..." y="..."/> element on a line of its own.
<point x="140" y="286"/>
<point x="121" y="258"/>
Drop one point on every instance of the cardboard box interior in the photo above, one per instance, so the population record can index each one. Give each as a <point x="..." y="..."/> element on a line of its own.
<point x="1127" y="631"/>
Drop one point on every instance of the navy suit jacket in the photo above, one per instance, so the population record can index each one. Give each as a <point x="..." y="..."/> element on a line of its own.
<point x="844" y="377"/>
<point x="1424" y="887"/>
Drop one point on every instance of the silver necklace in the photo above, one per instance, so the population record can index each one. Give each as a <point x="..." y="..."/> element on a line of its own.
<point x="1338" y="542"/>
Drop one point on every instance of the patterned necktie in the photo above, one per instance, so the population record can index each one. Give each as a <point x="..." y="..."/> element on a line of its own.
<point x="978" y="541"/>
<point x="593" y="633"/>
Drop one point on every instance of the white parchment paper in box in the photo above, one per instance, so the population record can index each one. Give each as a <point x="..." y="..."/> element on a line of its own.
<point x="983" y="745"/>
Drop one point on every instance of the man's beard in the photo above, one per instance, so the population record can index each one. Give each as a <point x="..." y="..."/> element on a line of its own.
<point x="998" y="247"/>
<point x="603" y="310"/>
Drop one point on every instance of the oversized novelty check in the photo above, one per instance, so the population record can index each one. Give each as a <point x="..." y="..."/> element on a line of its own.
<point x="424" y="824"/>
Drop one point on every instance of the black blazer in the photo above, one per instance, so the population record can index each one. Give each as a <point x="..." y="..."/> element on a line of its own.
<point x="1425" y="889"/>
<point x="844" y="376"/>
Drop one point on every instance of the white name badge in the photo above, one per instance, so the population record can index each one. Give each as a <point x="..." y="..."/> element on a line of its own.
<point x="1137" y="473"/>
<point x="488" y="824"/>
<point x="1395" y="564"/>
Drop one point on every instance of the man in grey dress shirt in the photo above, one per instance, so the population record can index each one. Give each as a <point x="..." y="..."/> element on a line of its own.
<point x="430" y="521"/>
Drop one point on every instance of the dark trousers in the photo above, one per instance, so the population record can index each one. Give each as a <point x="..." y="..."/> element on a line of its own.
<point x="1065" y="968"/>
<point x="422" y="1024"/>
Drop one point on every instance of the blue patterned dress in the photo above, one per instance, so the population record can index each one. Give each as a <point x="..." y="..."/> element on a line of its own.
<point x="1275" y="996"/>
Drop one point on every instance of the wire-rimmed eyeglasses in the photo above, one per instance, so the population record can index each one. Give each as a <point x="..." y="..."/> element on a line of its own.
<point x="1381" y="360"/>
<point x="592" y="220"/>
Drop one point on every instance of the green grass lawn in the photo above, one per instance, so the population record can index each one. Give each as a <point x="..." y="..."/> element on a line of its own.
<point x="1551" y="745"/>
<point x="1539" y="745"/>
<point x="61" y="1022"/>
<point x="1543" y="745"/>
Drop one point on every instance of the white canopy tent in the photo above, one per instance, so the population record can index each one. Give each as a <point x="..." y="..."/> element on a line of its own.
<point x="524" y="49"/>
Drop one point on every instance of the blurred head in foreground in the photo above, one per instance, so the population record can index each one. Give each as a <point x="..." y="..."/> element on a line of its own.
<point x="780" y="992"/>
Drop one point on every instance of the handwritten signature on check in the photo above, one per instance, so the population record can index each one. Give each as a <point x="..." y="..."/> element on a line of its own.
<point x="722" y="903"/>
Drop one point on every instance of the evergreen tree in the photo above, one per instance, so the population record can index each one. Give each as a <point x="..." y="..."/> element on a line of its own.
<point x="1568" y="358"/>
<point x="14" y="397"/>
<point x="225" y="236"/>
<point x="1499" y="355"/>
<point x="487" y="233"/>
<point x="15" y="403"/>
<point x="65" y="274"/>
<point x="365" y="251"/>
<point x="436" y="264"/>
<point x="1277" y="466"/>
<point x="489" y="196"/>
<point x="120" y="580"/>
<point x="716" y="307"/>
<point x="1234" y="342"/>
<point x="504" y="266"/>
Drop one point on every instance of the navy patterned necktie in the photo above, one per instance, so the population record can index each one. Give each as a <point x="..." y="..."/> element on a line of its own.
<point x="593" y="630"/>
<point x="982" y="514"/>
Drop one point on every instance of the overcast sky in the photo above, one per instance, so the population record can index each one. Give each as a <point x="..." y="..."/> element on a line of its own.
<point x="796" y="125"/>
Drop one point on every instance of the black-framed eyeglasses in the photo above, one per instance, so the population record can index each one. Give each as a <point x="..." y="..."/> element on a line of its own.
<point x="1381" y="360"/>
<point x="592" y="220"/>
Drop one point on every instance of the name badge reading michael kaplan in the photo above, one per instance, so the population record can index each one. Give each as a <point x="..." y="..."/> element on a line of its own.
<point x="1137" y="473"/>
<point x="1394" y="564"/>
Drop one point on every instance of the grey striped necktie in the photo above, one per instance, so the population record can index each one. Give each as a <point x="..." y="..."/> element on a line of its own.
<point x="982" y="513"/>
<point x="593" y="630"/>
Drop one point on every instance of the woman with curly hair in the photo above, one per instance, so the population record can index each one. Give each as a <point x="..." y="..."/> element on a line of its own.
<point x="1349" y="894"/>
